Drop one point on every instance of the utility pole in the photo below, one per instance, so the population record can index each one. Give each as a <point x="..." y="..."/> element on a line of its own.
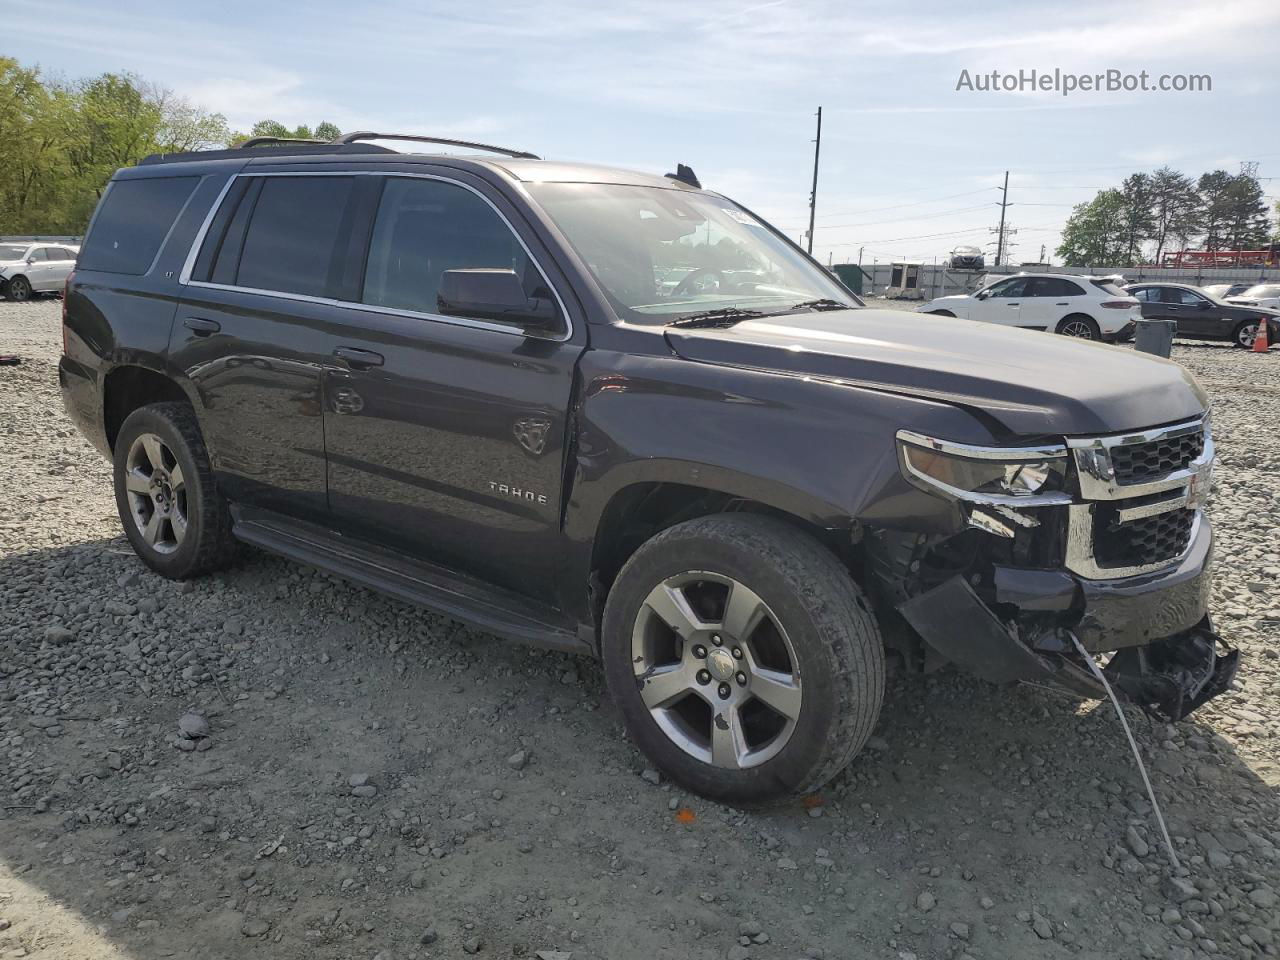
<point x="1004" y="202"/>
<point x="813" y="194"/>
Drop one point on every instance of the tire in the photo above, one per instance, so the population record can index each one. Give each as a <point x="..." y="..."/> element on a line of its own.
<point x="811" y="620"/>
<point x="18" y="289"/>
<point x="191" y="533"/>
<point x="1079" y="326"/>
<point x="1245" y="333"/>
<point x="941" y="313"/>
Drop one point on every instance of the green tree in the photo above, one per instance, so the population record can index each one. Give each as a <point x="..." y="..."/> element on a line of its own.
<point x="1138" y="221"/>
<point x="1175" y="210"/>
<point x="1097" y="232"/>
<point x="274" y="128"/>
<point x="1246" y="222"/>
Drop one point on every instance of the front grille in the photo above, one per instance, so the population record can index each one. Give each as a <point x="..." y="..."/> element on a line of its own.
<point x="1142" y="462"/>
<point x="1157" y="539"/>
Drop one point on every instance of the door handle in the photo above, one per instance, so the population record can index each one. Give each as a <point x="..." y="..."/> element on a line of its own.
<point x="357" y="358"/>
<point x="1062" y="304"/>
<point x="201" y="327"/>
<point x="1013" y="304"/>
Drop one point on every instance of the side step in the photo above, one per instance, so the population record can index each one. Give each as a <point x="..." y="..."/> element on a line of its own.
<point x="473" y="602"/>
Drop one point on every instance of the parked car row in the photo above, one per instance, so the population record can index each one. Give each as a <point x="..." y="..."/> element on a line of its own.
<point x="28" y="269"/>
<point x="1105" y="308"/>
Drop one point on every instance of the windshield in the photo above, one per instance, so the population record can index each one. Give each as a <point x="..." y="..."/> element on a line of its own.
<point x="665" y="254"/>
<point x="12" y="251"/>
<point x="1263" y="290"/>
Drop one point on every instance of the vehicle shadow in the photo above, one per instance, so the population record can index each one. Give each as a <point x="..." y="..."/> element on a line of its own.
<point x="501" y="777"/>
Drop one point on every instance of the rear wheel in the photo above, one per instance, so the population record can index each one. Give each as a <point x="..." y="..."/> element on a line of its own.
<point x="743" y="657"/>
<point x="1078" y="325"/>
<point x="1245" y="333"/>
<point x="173" y="515"/>
<point x="18" y="289"/>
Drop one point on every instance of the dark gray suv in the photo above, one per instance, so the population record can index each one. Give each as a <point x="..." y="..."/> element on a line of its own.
<point x="618" y="414"/>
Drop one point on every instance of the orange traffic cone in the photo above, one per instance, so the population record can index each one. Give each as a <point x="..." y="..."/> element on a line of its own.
<point x="1260" y="344"/>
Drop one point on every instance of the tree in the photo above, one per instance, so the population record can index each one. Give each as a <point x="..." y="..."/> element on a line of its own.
<point x="1138" y="221"/>
<point x="1175" y="209"/>
<point x="186" y="126"/>
<point x="273" y="128"/>
<point x="1097" y="232"/>
<point x="1247" y="224"/>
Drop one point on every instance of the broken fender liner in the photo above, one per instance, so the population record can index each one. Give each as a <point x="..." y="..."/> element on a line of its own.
<point x="955" y="622"/>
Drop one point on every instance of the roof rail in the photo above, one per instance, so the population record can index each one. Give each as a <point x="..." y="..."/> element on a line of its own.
<point x="260" y="141"/>
<point x="369" y="135"/>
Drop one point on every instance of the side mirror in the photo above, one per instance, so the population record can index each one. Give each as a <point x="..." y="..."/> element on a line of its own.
<point x="1203" y="305"/>
<point x="982" y="295"/>
<point x="492" y="294"/>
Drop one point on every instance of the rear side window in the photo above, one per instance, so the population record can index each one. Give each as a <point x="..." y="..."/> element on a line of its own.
<point x="1110" y="287"/>
<point x="132" y="221"/>
<point x="293" y="233"/>
<point x="425" y="227"/>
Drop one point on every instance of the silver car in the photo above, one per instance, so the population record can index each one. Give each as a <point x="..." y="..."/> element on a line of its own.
<point x="28" y="268"/>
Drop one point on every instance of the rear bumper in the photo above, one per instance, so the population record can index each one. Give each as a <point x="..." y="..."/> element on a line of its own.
<point x="1167" y="660"/>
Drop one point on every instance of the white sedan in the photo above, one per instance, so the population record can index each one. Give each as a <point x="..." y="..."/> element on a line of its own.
<point x="1093" y="308"/>
<point x="1262" y="295"/>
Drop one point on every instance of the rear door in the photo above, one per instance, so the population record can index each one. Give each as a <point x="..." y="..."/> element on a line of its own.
<point x="446" y="436"/>
<point x="253" y="334"/>
<point x="1049" y="300"/>
<point x="61" y="261"/>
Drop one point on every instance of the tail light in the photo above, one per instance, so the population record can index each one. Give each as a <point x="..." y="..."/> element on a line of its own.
<point x="1119" y="304"/>
<point x="66" y="292"/>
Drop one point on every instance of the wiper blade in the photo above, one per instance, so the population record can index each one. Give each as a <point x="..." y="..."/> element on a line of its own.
<point x="823" y="303"/>
<point x="725" y="317"/>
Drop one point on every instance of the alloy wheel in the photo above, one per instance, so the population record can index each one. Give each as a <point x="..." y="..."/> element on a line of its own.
<point x="716" y="670"/>
<point x="1077" y="328"/>
<point x="157" y="493"/>
<point x="19" y="289"/>
<point x="1247" y="334"/>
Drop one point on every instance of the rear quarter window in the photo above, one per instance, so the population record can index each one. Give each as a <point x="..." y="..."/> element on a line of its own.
<point x="132" y="221"/>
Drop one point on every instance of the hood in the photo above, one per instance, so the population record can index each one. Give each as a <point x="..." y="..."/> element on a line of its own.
<point x="1034" y="383"/>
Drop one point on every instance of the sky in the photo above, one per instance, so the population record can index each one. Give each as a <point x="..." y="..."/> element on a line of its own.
<point x="911" y="166"/>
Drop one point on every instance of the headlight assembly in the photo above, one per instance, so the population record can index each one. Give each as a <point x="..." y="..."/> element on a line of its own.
<point x="1000" y="476"/>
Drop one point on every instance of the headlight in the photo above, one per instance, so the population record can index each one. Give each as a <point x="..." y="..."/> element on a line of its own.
<point x="1009" y="476"/>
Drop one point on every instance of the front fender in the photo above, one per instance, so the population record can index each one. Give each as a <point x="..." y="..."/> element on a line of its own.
<point x="815" y="449"/>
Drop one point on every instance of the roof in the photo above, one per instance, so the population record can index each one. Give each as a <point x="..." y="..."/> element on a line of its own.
<point x="524" y="170"/>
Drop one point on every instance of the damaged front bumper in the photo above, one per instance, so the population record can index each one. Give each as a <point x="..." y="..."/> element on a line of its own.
<point x="1156" y="624"/>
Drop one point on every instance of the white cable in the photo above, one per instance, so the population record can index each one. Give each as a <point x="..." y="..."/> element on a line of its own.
<point x="1132" y="743"/>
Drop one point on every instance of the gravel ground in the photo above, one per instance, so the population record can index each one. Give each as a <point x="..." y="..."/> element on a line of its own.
<point x="368" y="780"/>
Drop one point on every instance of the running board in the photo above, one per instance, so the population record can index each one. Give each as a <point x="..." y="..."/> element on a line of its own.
<point x="471" y="601"/>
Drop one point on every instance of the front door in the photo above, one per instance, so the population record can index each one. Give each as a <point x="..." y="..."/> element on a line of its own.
<point x="445" y="437"/>
<point x="250" y="335"/>
<point x="1003" y="303"/>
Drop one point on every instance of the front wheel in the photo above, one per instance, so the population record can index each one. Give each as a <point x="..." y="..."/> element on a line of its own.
<point x="1080" y="326"/>
<point x="941" y="313"/>
<point x="18" y="289"/>
<point x="745" y="660"/>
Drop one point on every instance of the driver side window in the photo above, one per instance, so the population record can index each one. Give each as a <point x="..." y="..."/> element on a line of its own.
<point x="1009" y="288"/>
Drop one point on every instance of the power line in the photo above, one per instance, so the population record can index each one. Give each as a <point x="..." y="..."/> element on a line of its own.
<point x="914" y="203"/>
<point x="922" y="216"/>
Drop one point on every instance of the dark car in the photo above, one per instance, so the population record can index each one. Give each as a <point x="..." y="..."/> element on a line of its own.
<point x="618" y="414"/>
<point x="966" y="258"/>
<point x="1201" y="316"/>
